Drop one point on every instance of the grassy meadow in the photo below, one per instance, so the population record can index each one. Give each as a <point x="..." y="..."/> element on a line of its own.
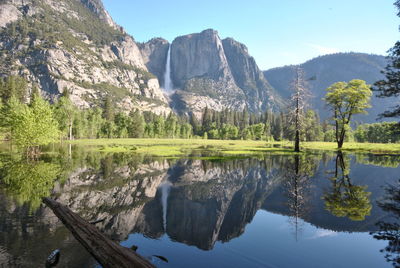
<point x="177" y="147"/>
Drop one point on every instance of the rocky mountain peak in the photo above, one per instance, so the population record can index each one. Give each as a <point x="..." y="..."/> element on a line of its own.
<point x="97" y="7"/>
<point x="198" y="55"/>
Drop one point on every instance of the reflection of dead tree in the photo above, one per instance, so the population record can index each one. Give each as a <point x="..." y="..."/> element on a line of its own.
<point x="297" y="186"/>
<point x="390" y="231"/>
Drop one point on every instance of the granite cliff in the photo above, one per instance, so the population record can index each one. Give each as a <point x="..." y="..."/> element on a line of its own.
<point x="75" y="45"/>
<point x="210" y="72"/>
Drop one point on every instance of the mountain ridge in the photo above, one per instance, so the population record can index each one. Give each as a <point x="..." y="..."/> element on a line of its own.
<point x="75" y="44"/>
<point x="331" y="68"/>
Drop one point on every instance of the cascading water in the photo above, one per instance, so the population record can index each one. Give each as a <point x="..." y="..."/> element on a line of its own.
<point x="165" y="189"/>
<point x="168" y="86"/>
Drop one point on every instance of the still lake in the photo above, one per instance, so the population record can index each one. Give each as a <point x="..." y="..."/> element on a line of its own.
<point x="271" y="210"/>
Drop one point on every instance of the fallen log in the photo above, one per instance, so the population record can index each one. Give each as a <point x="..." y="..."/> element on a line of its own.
<point x="105" y="251"/>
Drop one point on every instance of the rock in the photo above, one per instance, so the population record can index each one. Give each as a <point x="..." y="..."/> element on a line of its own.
<point x="155" y="56"/>
<point x="198" y="55"/>
<point x="128" y="52"/>
<point x="92" y="65"/>
<point x="97" y="7"/>
<point x="259" y="93"/>
<point x="8" y="13"/>
<point x="210" y="72"/>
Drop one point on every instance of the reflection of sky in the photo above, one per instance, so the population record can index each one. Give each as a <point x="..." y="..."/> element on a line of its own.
<point x="268" y="241"/>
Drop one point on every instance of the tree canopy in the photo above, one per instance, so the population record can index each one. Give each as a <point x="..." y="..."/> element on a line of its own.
<point x="390" y="86"/>
<point x="346" y="100"/>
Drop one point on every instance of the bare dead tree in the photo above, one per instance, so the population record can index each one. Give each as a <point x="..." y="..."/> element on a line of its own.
<point x="299" y="101"/>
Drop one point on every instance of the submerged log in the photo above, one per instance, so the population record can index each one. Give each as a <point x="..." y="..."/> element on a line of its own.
<point x="105" y="251"/>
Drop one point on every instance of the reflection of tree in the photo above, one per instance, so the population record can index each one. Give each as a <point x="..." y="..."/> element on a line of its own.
<point x="346" y="199"/>
<point x="297" y="173"/>
<point x="28" y="182"/>
<point x="390" y="230"/>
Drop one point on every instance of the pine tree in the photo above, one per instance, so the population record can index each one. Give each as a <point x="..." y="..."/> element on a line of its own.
<point x="136" y="128"/>
<point x="390" y="87"/>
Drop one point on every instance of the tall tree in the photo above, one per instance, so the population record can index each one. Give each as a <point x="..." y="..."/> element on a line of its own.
<point x="32" y="126"/>
<point x="298" y="100"/>
<point x="346" y="100"/>
<point x="65" y="114"/>
<point x="136" y="129"/>
<point x="390" y="87"/>
<point x="108" y="115"/>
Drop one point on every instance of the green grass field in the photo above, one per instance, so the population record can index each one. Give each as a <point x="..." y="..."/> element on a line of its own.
<point x="176" y="147"/>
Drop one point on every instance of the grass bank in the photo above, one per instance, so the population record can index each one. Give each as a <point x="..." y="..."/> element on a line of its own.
<point x="177" y="147"/>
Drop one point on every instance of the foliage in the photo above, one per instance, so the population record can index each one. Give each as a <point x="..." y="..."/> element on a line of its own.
<point x="31" y="125"/>
<point x="385" y="132"/>
<point x="390" y="86"/>
<point x="346" y="100"/>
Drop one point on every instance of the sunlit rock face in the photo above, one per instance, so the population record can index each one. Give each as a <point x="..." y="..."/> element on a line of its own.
<point x="207" y="71"/>
<point x="92" y="58"/>
<point x="154" y="54"/>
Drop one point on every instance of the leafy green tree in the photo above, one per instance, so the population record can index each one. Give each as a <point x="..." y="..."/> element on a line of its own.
<point x="13" y="86"/>
<point x="312" y="128"/>
<point x="136" y="127"/>
<point x="346" y="100"/>
<point x="95" y="121"/>
<point x="65" y="112"/>
<point x="171" y="124"/>
<point x="108" y="127"/>
<point x="159" y="127"/>
<point x="258" y="131"/>
<point x="33" y="125"/>
<point x="122" y="123"/>
<point x="186" y="131"/>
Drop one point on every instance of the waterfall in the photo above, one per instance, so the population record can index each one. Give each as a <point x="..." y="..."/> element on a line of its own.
<point x="168" y="86"/>
<point x="165" y="189"/>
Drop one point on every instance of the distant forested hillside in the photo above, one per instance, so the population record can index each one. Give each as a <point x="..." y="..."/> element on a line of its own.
<point x="330" y="69"/>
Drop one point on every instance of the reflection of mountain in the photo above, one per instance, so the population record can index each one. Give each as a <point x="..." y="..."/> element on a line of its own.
<point x="114" y="192"/>
<point x="209" y="201"/>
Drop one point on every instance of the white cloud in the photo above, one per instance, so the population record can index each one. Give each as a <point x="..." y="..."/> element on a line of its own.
<point x="322" y="49"/>
<point x="323" y="233"/>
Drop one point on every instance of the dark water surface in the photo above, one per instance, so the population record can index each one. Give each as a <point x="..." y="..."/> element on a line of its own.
<point x="311" y="210"/>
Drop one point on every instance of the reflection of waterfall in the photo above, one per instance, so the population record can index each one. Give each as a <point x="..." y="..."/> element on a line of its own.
<point x="165" y="189"/>
<point x="168" y="86"/>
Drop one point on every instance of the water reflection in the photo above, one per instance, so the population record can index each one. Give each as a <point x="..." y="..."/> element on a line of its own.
<point x="346" y="199"/>
<point x="389" y="229"/>
<point x="297" y="172"/>
<point x="191" y="201"/>
<point x="28" y="181"/>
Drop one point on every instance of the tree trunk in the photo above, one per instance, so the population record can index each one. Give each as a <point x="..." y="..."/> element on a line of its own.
<point x="297" y="142"/>
<point x="70" y="131"/>
<point x="105" y="251"/>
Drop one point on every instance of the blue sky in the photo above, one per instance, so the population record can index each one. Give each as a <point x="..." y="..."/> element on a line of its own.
<point x="276" y="32"/>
